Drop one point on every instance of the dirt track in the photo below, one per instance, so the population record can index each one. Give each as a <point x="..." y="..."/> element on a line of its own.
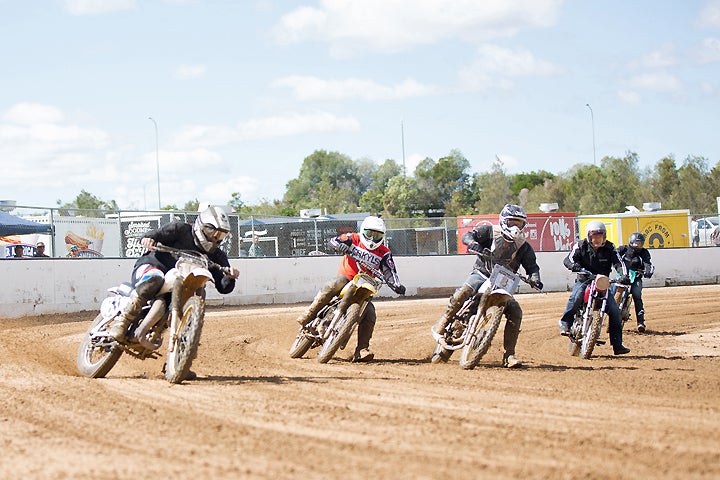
<point x="255" y="413"/>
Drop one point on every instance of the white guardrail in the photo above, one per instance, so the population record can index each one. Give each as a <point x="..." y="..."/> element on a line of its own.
<point x="50" y="286"/>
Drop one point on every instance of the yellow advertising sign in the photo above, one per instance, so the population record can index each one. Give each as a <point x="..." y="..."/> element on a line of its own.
<point x="662" y="229"/>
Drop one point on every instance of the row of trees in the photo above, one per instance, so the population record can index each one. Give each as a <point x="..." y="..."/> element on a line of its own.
<point x="446" y="187"/>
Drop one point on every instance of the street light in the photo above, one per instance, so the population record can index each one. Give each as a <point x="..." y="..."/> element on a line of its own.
<point x="592" y="119"/>
<point x="157" y="160"/>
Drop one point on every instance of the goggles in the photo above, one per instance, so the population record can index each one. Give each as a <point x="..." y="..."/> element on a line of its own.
<point x="515" y="222"/>
<point x="592" y="233"/>
<point x="213" y="234"/>
<point x="374" y="235"/>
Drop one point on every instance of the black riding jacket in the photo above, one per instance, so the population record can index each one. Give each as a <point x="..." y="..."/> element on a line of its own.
<point x="506" y="253"/>
<point x="180" y="235"/>
<point x="599" y="262"/>
<point x="638" y="261"/>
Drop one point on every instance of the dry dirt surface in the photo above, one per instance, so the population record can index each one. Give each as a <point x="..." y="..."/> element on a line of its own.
<point x="255" y="413"/>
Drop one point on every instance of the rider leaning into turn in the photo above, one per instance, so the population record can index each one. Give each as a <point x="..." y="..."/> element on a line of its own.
<point x="598" y="256"/>
<point x="205" y="235"/>
<point x="507" y="247"/>
<point x="637" y="258"/>
<point x="367" y="245"/>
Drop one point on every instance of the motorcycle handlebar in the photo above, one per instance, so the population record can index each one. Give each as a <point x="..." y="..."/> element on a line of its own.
<point x="175" y="251"/>
<point x="488" y="258"/>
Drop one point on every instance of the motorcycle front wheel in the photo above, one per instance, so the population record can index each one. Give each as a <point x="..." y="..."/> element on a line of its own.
<point x="591" y="336"/>
<point x="187" y="340"/>
<point x="301" y="344"/>
<point x="340" y="334"/>
<point x="481" y="338"/>
<point x="96" y="361"/>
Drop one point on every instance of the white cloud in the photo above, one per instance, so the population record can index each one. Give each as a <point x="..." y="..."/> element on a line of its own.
<point x="657" y="59"/>
<point x="98" y="7"/>
<point x="221" y="192"/>
<point x="710" y="14"/>
<point x="190" y="71"/>
<point x="29" y="113"/>
<point x="494" y="67"/>
<point x="395" y="25"/>
<point x="309" y="88"/>
<point x="629" y="97"/>
<point x="264" y="128"/>
<point x="709" y="52"/>
<point x="657" y="82"/>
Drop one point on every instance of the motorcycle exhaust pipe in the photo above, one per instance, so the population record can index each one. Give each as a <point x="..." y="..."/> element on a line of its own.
<point x="154" y="315"/>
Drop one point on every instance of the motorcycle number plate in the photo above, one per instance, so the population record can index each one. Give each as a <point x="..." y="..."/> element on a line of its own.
<point x="504" y="278"/>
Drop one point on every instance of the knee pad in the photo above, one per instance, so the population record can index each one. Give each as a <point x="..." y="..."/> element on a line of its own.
<point x="149" y="285"/>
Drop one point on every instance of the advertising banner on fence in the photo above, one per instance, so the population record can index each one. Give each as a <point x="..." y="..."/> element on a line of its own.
<point x="546" y="232"/>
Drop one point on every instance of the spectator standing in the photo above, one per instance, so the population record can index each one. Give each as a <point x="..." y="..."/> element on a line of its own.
<point x="40" y="250"/>
<point x="255" y="249"/>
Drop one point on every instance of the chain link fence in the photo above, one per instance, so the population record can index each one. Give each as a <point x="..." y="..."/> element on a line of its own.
<point x="117" y="234"/>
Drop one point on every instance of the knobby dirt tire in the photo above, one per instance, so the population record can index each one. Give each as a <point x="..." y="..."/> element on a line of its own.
<point x="341" y="334"/>
<point x="481" y="339"/>
<point x="187" y="340"/>
<point x="301" y="344"/>
<point x="591" y="337"/>
<point x="96" y="362"/>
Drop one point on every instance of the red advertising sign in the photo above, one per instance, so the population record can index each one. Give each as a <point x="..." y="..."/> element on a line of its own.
<point x="546" y="232"/>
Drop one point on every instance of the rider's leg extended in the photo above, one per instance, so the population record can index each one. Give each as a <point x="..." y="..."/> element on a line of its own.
<point x="364" y="334"/>
<point x="326" y="293"/>
<point x="636" y="292"/>
<point x="467" y="290"/>
<point x="148" y="282"/>
<point x="615" y="327"/>
<point x="513" y="319"/>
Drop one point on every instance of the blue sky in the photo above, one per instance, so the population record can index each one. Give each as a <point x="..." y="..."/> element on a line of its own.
<point x="243" y="91"/>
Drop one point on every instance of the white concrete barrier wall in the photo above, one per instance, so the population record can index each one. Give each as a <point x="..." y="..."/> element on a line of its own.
<point x="47" y="286"/>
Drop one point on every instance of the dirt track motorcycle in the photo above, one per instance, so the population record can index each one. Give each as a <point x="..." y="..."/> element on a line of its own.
<point x="473" y="327"/>
<point x="335" y="323"/>
<point x="178" y="307"/>
<point x="589" y="318"/>
<point x="623" y="297"/>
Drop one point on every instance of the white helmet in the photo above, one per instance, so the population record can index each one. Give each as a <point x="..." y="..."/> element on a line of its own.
<point x="512" y="221"/>
<point x="372" y="232"/>
<point x="210" y="228"/>
<point x="595" y="227"/>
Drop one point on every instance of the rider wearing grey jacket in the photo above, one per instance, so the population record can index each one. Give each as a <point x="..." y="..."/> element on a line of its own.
<point x="507" y="247"/>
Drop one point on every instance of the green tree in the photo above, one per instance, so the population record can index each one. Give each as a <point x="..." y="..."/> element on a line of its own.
<point x="88" y="205"/>
<point x="493" y="189"/>
<point x="694" y="189"/>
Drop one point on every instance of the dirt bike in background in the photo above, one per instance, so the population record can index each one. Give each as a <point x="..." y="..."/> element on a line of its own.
<point x="473" y="327"/>
<point x="335" y="323"/>
<point x="623" y="298"/>
<point x="587" y="324"/>
<point x="179" y="307"/>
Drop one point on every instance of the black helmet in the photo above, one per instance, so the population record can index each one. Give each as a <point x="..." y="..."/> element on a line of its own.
<point x="636" y="241"/>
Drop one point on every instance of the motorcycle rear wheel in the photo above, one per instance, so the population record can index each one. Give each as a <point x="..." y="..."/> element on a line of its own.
<point x="96" y="362"/>
<point x="187" y="340"/>
<point x="591" y="336"/>
<point x="301" y="344"/>
<point x="341" y="333"/>
<point x="481" y="338"/>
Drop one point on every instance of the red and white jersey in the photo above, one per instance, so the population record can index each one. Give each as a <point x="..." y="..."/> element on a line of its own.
<point x="380" y="258"/>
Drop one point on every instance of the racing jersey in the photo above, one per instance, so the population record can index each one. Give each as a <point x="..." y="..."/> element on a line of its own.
<point x="380" y="258"/>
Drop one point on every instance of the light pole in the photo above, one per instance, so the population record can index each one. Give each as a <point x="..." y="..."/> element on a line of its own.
<point x="592" y="119"/>
<point x="157" y="159"/>
<point x="402" y="140"/>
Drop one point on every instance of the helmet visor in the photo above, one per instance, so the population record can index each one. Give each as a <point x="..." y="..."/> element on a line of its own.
<point x="213" y="234"/>
<point x="374" y="235"/>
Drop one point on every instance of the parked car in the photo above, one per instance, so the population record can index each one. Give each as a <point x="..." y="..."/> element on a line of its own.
<point x="706" y="226"/>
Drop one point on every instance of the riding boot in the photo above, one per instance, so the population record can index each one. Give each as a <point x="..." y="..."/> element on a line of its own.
<point x="364" y="334"/>
<point x="454" y="304"/>
<point x="120" y="326"/>
<point x="513" y="319"/>
<point x="640" y="321"/>
<point x="326" y="293"/>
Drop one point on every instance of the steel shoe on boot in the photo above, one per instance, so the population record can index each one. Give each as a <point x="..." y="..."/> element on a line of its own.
<point x="509" y="361"/>
<point x="564" y="328"/>
<point x="620" y="350"/>
<point x="364" y="355"/>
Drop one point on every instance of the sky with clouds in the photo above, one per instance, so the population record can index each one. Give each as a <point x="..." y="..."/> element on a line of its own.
<point x="242" y="91"/>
